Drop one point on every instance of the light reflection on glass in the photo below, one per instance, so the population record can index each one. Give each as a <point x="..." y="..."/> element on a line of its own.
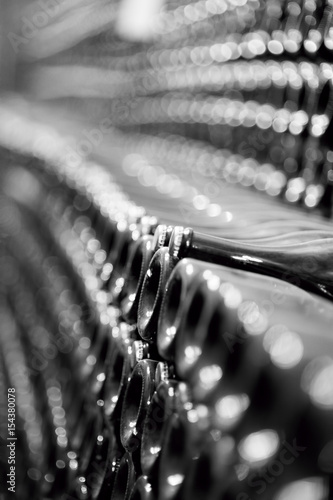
<point x="247" y="258"/>
<point x="101" y="377"/>
<point x="154" y="450"/>
<point x="189" y="269"/>
<point x="232" y="296"/>
<point x="248" y="312"/>
<point x="231" y="408"/>
<point x="175" y="479"/>
<point x="317" y="381"/>
<point x="285" y="347"/>
<point x="192" y="353"/>
<point x="306" y="489"/>
<point x="209" y="376"/>
<point x="242" y="471"/>
<point x="213" y="283"/>
<point x="259" y="447"/>
<point x="91" y="360"/>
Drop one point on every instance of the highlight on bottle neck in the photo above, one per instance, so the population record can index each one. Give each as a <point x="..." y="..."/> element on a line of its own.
<point x="180" y="241"/>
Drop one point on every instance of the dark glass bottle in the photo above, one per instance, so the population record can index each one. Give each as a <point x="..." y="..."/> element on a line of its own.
<point x="169" y="398"/>
<point x="184" y="436"/>
<point x="277" y="257"/>
<point x="218" y="473"/>
<point x="124" y="479"/>
<point x="96" y="471"/>
<point x="139" y="391"/>
<point x="122" y="251"/>
<point x="152" y="292"/>
<point x="125" y="354"/>
<point x="111" y="467"/>
<point x="133" y="276"/>
<point x="305" y="265"/>
<point x="137" y="266"/>
<point x="231" y="318"/>
<point x="142" y="490"/>
<point x="267" y="291"/>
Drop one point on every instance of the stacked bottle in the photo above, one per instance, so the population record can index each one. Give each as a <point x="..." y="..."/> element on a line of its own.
<point x="160" y="361"/>
<point x="194" y="377"/>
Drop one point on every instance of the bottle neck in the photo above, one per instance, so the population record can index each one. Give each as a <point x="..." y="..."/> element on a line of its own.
<point x="307" y="266"/>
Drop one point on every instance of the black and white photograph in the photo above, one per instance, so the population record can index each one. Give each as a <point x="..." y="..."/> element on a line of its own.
<point x="166" y="250"/>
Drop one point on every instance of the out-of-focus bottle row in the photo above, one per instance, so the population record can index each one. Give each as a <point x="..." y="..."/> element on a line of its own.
<point x="262" y="92"/>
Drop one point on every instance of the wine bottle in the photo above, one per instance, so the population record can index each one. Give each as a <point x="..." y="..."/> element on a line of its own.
<point x="171" y="312"/>
<point x="125" y="354"/>
<point x="139" y="391"/>
<point x="97" y="471"/>
<point x="137" y="266"/>
<point x="228" y="314"/>
<point x="112" y="463"/>
<point x="288" y="263"/>
<point x="161" y="266"/>
<point x="170" y="396"/>
<point x="133" y="276"/>
<point x="183" y="275"/>
<point x="121" y="251"/>
<point x="211" y="468"/>
<point x="184" y="435"/>
<point x="142" y="490"/>
<point x="152" y="292"/>
<point x="124" y="479"/>
<point x="216" y="472"/>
